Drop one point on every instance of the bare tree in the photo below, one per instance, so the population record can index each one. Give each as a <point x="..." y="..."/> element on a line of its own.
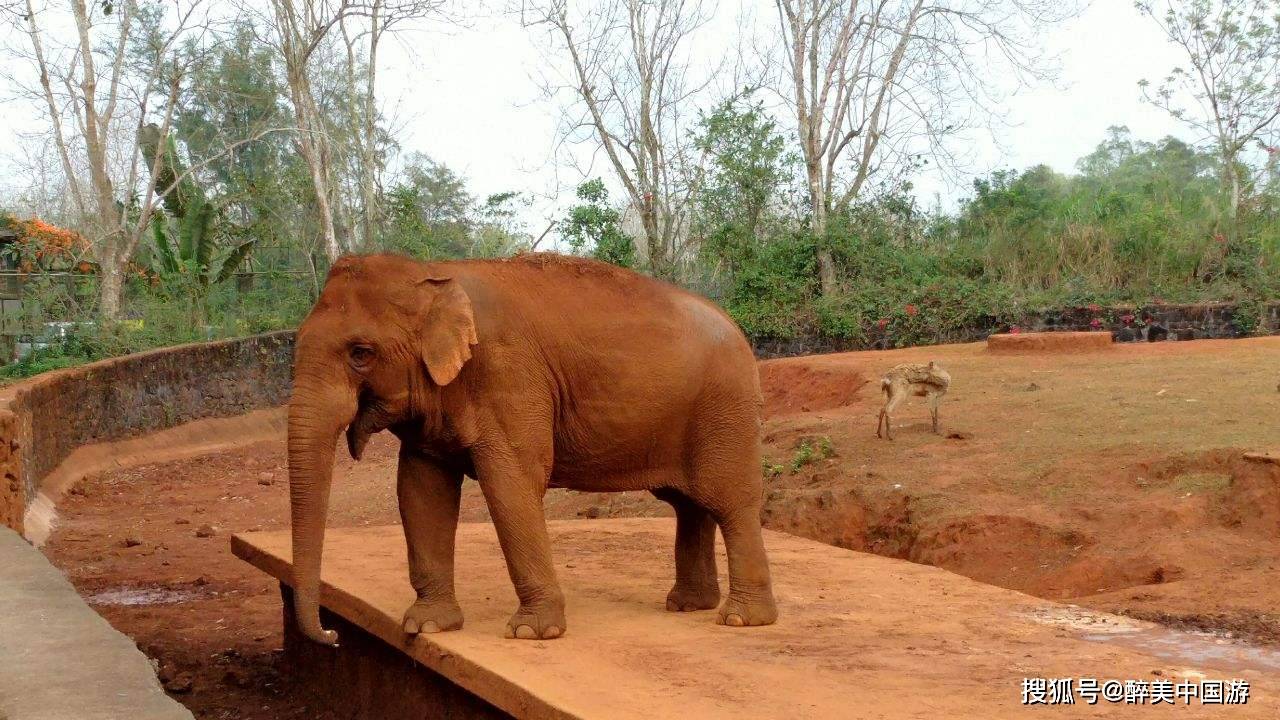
<point x="90" y="84"/>
<point x="362" y="46"/>
<point x="121" y="72"/>
<point x="302" y="29"/>
<point x="629" y="79"/>
<point x="1230" y="87"/>
<point x="876" y="85"/>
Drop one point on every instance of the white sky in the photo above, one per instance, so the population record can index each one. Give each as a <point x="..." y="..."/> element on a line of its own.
<point x="467" y="96"/>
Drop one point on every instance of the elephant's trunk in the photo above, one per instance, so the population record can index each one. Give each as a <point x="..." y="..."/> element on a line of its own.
<point x="318" y="410"/>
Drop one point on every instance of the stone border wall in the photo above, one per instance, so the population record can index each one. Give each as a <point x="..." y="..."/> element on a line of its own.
<point x="44" y="419"/>
<point x="1148" y="323"/>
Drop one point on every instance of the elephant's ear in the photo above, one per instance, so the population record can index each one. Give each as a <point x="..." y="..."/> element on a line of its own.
<point x="448" y="331"/>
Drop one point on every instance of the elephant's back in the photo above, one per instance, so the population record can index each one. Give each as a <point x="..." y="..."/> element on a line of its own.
<point x="620" y="329"/>
<point x="572" y="295"/>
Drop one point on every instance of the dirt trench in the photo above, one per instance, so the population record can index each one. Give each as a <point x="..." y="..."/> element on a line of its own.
<point x="1059" y="560"/>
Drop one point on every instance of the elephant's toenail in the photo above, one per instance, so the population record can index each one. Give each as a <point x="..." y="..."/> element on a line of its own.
<point x="551" y="633"/>
<point x="524" y="632"/>
<point x="734" y="620"/>
<point x="509" y="633"/>
<point x="429" y="627"/>
<point x="672" y="606"/>
<point x="410" y="626"/>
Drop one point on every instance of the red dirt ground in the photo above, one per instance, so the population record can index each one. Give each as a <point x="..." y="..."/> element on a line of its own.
<point x="1116" y="480"/>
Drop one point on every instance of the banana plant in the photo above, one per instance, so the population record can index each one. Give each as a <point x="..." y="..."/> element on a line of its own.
<point x="186" y="246"/>
<point x="186" y="230"/>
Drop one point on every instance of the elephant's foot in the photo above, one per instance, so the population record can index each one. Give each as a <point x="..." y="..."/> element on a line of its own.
<point x="742" y="609"/>
<point x="432" y="616"/>
<point x="537" y="622"/>
<point x="687" y="598"/>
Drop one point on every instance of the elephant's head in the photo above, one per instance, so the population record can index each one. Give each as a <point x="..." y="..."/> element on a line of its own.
<point x="384" y="335"/>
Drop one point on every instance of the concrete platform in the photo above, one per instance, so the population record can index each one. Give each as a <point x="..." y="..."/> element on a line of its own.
<point x="860" y="636"/>
<point x="59" y="660"/>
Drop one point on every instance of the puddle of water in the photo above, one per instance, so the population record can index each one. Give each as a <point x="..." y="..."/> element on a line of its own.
<point x="1197" y="649"/>
<point x="141" y="596"/>
<point x="1176" y="646"/>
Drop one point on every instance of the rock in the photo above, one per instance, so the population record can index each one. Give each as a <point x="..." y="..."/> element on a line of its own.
<point x="182" y="521"/>
<point x="180" y="684"/>
<point x="1032" y="387"/>
<point x="236" y="678"/>
<point x="204" y="531"/>
<point x="132" y="541"/>
<point x="200" y="581"/>
<point x="266" y="478"/>
<point x="960" y="436"/>
<point x="592" y="512"/>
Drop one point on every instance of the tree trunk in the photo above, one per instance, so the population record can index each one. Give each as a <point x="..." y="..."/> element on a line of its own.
<point x="369" y="142"/>
<point x="110" y="288"/>
<point x="818" y="226"/>
<point x="313" y="152"/>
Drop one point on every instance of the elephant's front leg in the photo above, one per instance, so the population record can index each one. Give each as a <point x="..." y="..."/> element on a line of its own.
<point x="513" y="490"/>
<point x="429" y="497"/>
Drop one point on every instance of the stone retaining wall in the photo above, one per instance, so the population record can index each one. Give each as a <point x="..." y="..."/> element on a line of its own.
<point x="1148" y="323"/>
<point x="44" y="419"/>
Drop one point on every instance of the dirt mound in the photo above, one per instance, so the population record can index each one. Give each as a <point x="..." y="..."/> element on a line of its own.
<point x="1049" y="342"/>
<point x="791" y="387"/>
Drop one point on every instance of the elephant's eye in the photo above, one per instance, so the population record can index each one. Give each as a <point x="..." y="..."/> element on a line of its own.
<point x="361" y="355"/>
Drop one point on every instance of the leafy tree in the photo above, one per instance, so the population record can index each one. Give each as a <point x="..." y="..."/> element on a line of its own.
<point x="497" y="230"/>
<point x="747" y="165"/>
<point x="596" y="227"/>
<point x="261" y="185"/>
<point x="429" y="211"/>
<point x="1229" y="89"/>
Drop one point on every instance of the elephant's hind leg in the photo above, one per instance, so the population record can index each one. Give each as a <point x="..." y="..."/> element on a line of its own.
<point x="726" y="479"/>
<point x="429" y="497"/>
<point x="750" y="600"/>
<point x="697" y="586"/>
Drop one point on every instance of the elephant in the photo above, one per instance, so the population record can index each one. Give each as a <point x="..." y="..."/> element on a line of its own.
<point x="528" y="373"/>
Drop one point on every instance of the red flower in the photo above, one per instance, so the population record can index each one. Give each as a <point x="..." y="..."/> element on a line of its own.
<point x="912" y="310"/>
<point x="1128" y="319"/>
<point x="1015" y="330"/>
<point x="1093" y="307"/>
<point x="884" y="322"/>
<point x="1095" y="323"/>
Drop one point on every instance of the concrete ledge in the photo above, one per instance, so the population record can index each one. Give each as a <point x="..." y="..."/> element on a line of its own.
<point x="1049" y="342"/>
<point x="860" y="636"/>
<point x="58" y="659"/>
